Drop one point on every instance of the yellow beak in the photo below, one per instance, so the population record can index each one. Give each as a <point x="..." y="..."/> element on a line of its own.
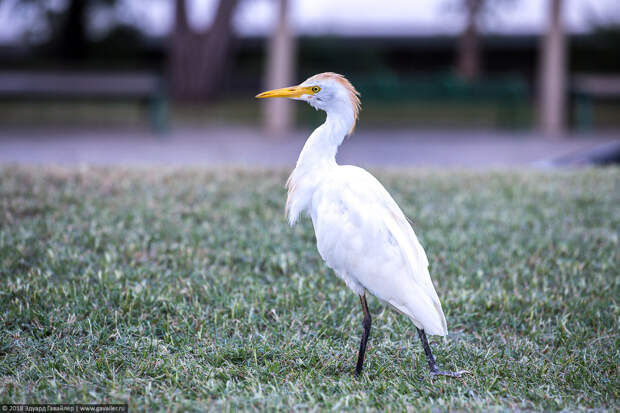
<point x="287" y="92"/>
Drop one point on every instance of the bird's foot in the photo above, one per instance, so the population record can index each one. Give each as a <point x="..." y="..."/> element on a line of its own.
<point x="457" y="374"/>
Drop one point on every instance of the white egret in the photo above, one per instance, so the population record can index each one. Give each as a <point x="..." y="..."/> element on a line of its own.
<point x="361" y="233"/>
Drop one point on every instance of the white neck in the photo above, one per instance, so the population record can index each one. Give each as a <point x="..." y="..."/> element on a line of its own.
<point x="321" y="147"/>
<point x="317" y="158"/>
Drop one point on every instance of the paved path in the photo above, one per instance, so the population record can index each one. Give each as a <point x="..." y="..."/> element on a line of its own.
<point x="248" y="147"/>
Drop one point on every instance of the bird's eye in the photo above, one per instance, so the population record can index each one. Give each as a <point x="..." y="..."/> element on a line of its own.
<point x="316" y="89"/>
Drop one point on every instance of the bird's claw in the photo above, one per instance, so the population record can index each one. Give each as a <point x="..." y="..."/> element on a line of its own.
<point x="456" y="374"/>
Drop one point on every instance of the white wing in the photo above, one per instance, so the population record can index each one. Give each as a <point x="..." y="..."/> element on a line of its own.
<point x="365" y="238"/>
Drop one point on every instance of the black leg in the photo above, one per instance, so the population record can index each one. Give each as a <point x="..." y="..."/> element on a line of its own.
<point x="431" y="360"/>
<point x="367" y="323"/>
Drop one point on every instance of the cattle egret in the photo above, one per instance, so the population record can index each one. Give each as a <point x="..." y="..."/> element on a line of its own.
<point x="361" y="233"/>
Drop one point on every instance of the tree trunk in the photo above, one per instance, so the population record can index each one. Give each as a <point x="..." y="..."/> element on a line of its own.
<point x="72" y="42"/>
<point x="279" y="73"/>
<point x="198" y="59"/>
<point x="552" y="79"/>
<point x="469" y="44"/>
<point x="180" y="51"/>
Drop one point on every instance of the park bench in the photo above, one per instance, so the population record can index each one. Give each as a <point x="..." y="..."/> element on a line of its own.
<point x="585" y="89"/>
<point x="505" y="94"/>
<point x="145" y="87"/>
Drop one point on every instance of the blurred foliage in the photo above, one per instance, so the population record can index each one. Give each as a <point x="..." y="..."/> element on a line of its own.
<point x="65" y="32"/>
<point x="124" y="45"/>
<point x="124" y="42"/>
<point x="597" y="52"/>
<point x="388" y="70"/>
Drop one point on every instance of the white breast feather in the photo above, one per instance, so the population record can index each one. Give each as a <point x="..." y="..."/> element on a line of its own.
<point x="365" y="238"/>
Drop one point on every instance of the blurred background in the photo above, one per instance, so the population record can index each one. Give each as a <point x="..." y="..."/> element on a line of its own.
<point x="172" y="81"/>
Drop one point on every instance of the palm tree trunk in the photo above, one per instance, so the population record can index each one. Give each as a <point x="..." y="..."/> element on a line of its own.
<point x="279" y="73"/>
<point x="552" y="81"/>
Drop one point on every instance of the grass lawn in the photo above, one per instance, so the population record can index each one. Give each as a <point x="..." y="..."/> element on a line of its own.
<point x="186" y="290"/>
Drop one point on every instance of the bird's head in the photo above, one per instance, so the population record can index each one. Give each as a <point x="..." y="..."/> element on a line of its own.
<point x="330" y="92"/>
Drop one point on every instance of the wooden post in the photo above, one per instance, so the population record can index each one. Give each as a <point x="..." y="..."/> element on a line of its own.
<point x="552" y="80"/>
<point x="278" y="115"/>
